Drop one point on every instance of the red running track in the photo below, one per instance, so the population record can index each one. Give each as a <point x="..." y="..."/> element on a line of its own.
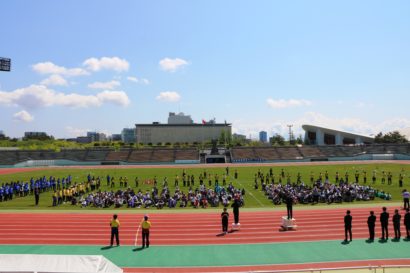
<point x="179" y="228"/>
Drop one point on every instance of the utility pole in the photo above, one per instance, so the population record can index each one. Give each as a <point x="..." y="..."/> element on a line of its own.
<point x="290" y="133"/>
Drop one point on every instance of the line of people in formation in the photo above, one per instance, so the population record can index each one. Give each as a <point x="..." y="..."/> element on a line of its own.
<point x="325" y="176"/>
<point x="13" y="189"/>
<point x="384" y="222"/>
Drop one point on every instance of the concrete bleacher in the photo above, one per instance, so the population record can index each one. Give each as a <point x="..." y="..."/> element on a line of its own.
<point x="311" y="152"/>
<point x="8" y="157"/>
<point x="244" y="153"/>
<point x="333" y="151"/>
<point x="353" y="150"/>
<point x="36" y="155"/>
<point x="186" y="154"/>
<point x="397" y="149"/>
<point x="75" y="154"/>
<point x="96" y="154"/>
<point x="289" y="153"/>
<point x="266" y="153"/>
<point x="375" y="149"/>
<point x="121" y="155"/>
<point x="163" y="155"/>
<point x="192" y="155"/>
<point x="140" y="155"/>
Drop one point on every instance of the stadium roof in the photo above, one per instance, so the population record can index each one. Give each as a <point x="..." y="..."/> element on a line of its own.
<point x="308" y="127"/>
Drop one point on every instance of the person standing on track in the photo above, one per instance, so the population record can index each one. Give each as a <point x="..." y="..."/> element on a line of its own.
<point x="371" y="223"/>
<point x="225" y="220"/>
<point x="146" y="225"/>
<point x="407" y="223"/>
<point x="406" y="196"/>
<point x="396" y="224"/>
<point x="115" y="224"/>
<point x="235" y="207"/>
<point x="384" y="221"/>
<point x="348" y="225"/>
<point x="289" y="205"/>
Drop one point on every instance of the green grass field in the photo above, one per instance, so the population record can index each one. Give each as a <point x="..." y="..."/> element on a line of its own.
<point x="253" y="198"/>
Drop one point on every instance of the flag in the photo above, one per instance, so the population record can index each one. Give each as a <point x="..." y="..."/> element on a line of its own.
<point x="203" y="121"/>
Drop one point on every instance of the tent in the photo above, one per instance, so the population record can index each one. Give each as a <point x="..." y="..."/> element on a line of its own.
<point x="33" y="263"/>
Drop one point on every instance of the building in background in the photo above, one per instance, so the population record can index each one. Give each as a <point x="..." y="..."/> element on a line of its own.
<point x="128" y="135"/>
<point x="181" y="129"/>
<point x="116" y="137"/>
<point x="263" y="136"/>
<point x="83" y="139"/>
<point x="96" y="137"/>
<point x="179" y="118"/>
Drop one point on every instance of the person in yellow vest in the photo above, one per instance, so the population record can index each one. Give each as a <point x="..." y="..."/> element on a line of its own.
<point x="146" y="225"/>
<point x="65" y="195"/>
<point x="115" y="224"/>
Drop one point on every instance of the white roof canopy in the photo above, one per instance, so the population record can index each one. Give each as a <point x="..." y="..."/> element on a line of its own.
<point x="57" y="263"/>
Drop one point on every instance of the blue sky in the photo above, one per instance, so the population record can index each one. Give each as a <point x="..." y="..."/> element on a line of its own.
<point x="105" y="65"/>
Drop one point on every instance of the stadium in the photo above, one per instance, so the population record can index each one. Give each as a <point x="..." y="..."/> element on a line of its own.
<point x="93" y="179"/>
<point x="186" y="234"/>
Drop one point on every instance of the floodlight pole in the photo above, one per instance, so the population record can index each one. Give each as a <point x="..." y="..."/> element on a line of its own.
<point x="290" y="133"/>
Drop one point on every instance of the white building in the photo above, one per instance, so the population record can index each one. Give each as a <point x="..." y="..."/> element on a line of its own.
<point x="324" y="136"/>
<point x="181" y="129"/>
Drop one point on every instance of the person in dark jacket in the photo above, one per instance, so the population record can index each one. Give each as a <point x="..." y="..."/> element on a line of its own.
<point x="371" y="223"/>
<point x="407" y="222"/>
<point x="384" y="221"/>
<point x="289" y="206"/>
<point x="225" y="219"/>
<point x="37" y="195"/>
<point x="348" y="225"/>
<point x="235" y="207"/>
<point x="396" y="224"/>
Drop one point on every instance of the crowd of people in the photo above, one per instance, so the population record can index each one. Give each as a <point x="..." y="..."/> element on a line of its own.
<point x="319" y="191"/>
<point x="200" y="196"/>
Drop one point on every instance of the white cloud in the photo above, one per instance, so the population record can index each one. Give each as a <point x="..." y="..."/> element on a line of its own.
<point x="137" y="80"/>
<point x="104" y="85"/>
<point x="169" y="96"/>
<point x="54" y="79"/>
<point x="23" y="116"/>
<point x="115" y="97"/>
<point x="50" y="68"/>
<point x="75" y="132"/>
<point x="35" y="96"/>
<point x="144" y="81"/>
<point x="406" y="132"/>
<point x="132" y="79"/>
<point x="281" y="103"/>
<point x="172" y="65"/>
<point x="106" y="63"/>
